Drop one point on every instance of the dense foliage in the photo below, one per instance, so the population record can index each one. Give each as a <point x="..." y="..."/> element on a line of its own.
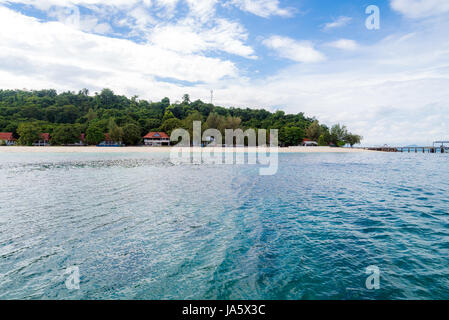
<point x="66" y="115"/>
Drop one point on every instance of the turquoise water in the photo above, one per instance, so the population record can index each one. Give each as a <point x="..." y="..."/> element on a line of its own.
<point x="140" y="228"/>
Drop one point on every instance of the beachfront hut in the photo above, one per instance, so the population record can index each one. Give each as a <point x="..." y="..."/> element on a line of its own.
<point x="156" y="139"/>
<point x="43" y="141"/>
<point x="7" y="138"/>
<point x="309" y="143"/>
<point x="109" y="143"/>
<point x="82" y="140"/>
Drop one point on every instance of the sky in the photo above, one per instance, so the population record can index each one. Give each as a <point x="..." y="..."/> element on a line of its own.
<point x="389" y="85"/>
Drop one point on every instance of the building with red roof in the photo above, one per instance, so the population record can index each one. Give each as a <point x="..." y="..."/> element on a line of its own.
<point x="43" y="141"/>
<point x="109" y="143"/>
<point x="156" y="139"/>
<point x="7" y="138"/>
<point x="309" y="143"/>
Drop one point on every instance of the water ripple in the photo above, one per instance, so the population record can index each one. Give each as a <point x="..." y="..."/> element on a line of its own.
<point x="140" y="228"/>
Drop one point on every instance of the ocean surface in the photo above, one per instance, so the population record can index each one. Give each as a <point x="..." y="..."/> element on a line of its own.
<point x="138" y="227"/>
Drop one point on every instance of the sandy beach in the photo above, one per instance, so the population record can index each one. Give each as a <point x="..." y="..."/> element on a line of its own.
<point x="94" y="149"/>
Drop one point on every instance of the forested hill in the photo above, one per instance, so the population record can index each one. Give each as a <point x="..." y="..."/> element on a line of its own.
<point x="66" y="115"/>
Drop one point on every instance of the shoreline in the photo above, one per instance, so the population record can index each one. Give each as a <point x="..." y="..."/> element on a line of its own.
<point x="142" y="149"/>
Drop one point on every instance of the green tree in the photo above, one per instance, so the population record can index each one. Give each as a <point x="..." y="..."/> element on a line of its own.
<point x="91" y="115"/>
<point x="279" y="115"/>
<point x="165" y="102"/>
<point x="106" y="98"/>
<point x="232" y="122"/>
<point x="11" y="127"/>
<point x="94" y="134"/>
<point x="168" y="115"/>
<point x="322" y="141"/>
<point x="32" y="112"/>
<point x="66" y="134"/>
<point x="67" y="114"/>
<point x="215" y="121"/>
<point x="186" y="99"/>
<point x="325" y="138"/>
<point x="84" y="92"/>
<point x="115" y="132"/>
<point x="338" y="134"/>
<point x="153" y="123"/>
<point x="148" y="125"/>
<point x="313" y="131"/>
<point x="291" y="136"/>
<point x="171" y="124"/>
<point x="178" y="111"/>
<point x="51" y="113"/>
<point x="353" y="139"/>
<point x="131" y="134"/>
<point x="188" y="122"/>
<point x="28" y="134"/>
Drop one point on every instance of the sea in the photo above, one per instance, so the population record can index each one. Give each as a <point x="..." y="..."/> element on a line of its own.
<point x="136" y="226"/>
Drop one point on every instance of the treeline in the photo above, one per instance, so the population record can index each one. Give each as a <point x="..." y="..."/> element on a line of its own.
<point x="68" y="115"/>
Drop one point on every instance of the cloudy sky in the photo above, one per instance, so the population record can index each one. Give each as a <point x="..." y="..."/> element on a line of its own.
<point x="390" y="85"/>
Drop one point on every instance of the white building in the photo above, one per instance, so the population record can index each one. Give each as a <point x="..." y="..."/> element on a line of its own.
<point x="156" y="139"/>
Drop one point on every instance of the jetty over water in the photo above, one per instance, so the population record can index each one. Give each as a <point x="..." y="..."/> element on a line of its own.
<point x="437" y="147"/>
<point x="441" y="143"/>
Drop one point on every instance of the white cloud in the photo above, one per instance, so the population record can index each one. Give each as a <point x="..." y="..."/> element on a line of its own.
<point x="47" y="4"/>
<point x="299" y="51"/>
<point x="202" y="10"/>
<point x="142" y="19"/>
<point x="337" y="23"/>
<point x="393" y="92"/>
<point x="263" y="8"/>
<point x="420" y="8"/>
<point x="344" y="44"/>
<point x="169" y="6"/>
<point x="198" y="30"/>
<point x="187" y="37"/>
<point x="54" y="45"/>
<point x="72" y="17"/>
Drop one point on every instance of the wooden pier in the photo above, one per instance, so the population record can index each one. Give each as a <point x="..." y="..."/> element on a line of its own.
<point x="423" y="150"/>
<point x="383" y="149"/>
<point x="433" y="149"/>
